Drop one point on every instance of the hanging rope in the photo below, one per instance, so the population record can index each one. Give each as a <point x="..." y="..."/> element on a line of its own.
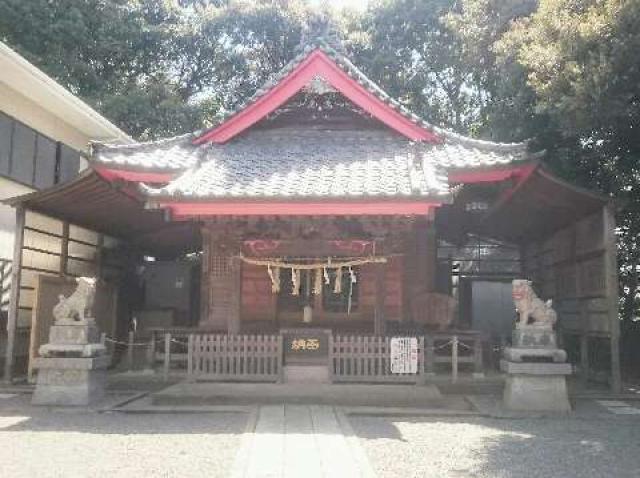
<point x="331" y="264"/>
<point x="295" y="281"/>
<point x="353" y="279"/>
<point x="317" y="282"/>
<point x="337" y="285"/>
<point x="274" y="275"/>
<point x="274" y="267"/>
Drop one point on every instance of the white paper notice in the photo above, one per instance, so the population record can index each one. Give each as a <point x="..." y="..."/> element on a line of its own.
<point x="404" y="355"/>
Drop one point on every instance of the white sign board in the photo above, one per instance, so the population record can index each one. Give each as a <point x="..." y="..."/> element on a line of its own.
<point x="404" y="355"/>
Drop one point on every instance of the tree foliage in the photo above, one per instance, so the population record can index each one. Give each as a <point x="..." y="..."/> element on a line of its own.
<point x="580" y="58"/>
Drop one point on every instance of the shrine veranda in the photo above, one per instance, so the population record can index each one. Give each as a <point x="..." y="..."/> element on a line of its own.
<point x="308" y="227"/>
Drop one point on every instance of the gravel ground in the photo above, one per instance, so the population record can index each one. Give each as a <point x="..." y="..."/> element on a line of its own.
<point x="40" y="443"/>
<point x="484" y="447"/>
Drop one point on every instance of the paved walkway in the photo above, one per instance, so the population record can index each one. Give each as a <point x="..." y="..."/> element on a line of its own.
<point x="313" y="441"/>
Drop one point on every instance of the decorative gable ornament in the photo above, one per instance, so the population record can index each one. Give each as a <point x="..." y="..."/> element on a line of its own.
<point x="319" y="86"/>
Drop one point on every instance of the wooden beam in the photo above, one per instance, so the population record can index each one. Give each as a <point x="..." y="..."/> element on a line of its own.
<point x="14" y="304"/>
<point x="187" y="210"/>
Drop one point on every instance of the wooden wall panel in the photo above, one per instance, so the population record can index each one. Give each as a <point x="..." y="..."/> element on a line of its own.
<point x="393" y="286"/>
<point x="569" y="267"/>
<point x="258" y="301"/>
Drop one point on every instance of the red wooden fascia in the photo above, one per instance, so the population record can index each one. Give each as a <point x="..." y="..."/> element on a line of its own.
<point x="521" y="179"/>
<point x="490" y="175"/>
<point x="188" y="210"/>
<point x="134" y="176"/>
<point x="317" y="63"/>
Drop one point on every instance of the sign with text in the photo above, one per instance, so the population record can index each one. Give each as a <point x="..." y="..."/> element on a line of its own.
<point x="404" y="355"/>
<point x="305" y="345"/>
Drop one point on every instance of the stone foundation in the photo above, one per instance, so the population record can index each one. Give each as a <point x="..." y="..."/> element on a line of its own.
<point x="536" y="393"/>
<point x="72" y="367"/>
<point x="536" y="372"/>
<point x="73" y="383"/>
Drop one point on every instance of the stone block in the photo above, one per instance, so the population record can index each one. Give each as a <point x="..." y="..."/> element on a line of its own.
<point x="64" y="387"/>
<point x="534" y="337"/>
<point x="536" y="393"/>
<point x="73" y="334"/>
<point x="306" y="374"/>
<point x="78" y="350"/>
<point x="535" y="368"/>
<point x="72" y="363"/>
<point x="522" y="354"/>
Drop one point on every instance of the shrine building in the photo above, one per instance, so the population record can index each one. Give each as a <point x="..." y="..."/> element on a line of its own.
<point x="320" y="215"/>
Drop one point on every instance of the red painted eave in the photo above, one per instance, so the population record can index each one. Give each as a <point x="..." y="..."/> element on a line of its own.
<point x="111" y="174"/>
<point x="187" y="210"/>
<point x="470" y="176"/>
<point x="317" y="64"/>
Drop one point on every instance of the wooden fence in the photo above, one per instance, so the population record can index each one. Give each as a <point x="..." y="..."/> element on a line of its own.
<point x="367" y="359"/>
<point x="350" y="358"/>
<point x="235" y="357"/>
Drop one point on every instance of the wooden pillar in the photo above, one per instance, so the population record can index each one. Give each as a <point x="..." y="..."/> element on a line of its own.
<point x="584" y="356"/>
<point x="431" y="260"/>
<point x="233" y="324"/>
<point x="581" y="310"/>
<point x="99" y="256"/>
<point x="611" y="287"/>
<point x="429" y="356"/>
<point x="14" y="301"/>
<point x="381" y="291"/>
<point x="64" y="252"/>
<point x="205" y="266"/>
<point x="166" y="365"/>
<point x="221" y="281"/>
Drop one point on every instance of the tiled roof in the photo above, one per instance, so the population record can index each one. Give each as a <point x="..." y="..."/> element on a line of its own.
<point x="354" y="72"/>
<point x="451" y="155"/>
<point x="172" y="154"/>
<point x="312" y="163"/>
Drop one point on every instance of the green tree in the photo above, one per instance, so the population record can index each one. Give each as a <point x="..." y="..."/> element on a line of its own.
<point x="156" y="67"/>
<point x="405" y="46"/>
<point x="580" y="60"/>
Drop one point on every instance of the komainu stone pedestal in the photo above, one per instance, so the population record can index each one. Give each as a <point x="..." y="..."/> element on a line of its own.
<point x="536" y="386"/>
<point x="72" y="367"/>
<point x="536" y="372"/>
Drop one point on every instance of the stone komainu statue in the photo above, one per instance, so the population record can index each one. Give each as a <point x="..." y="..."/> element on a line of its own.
<point x="530" y="307"/>
<point x="79" y="303"/>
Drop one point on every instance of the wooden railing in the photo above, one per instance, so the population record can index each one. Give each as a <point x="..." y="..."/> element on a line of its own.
<point x="454" y="349"/>
<point x="235" y="357"/>
<point x="367" y="359"/>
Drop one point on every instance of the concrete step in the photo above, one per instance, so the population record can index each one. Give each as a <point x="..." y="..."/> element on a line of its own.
<point x="306" y="374"/>
<point x="378" y="395"/>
